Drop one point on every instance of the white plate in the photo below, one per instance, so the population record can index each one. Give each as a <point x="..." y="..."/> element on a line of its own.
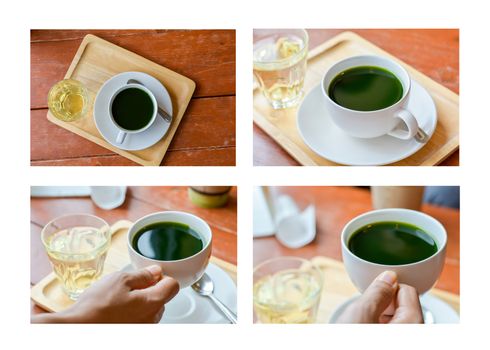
<point x="327" y="140"/>
<point x="107" y="129"/>
<point x="441" y="311"/>
<point x="189" y="307"/>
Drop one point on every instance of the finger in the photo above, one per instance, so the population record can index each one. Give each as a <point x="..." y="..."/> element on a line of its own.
<point x="143" y="278"/>
<point x="407" y="296"/>
<point x="388" y="313"/>
<point x="408" y="309"/>
<point x="378" y="296"/>
<point x="385" y="319"/>
<point x="159" y="314"/>
<point x="162" y="292"/>
<point x="390" y="310"/>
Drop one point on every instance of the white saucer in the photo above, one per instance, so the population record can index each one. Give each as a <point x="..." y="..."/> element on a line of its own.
<point x="441" y="311"/>
<point x="327" y="140"/>
<point x="132" y="142"/>
<point x="189" y="307"/>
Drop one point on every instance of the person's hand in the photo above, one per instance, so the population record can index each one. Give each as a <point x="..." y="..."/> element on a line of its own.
<point x="385" y="301"/>
<point x="121" y="297"/>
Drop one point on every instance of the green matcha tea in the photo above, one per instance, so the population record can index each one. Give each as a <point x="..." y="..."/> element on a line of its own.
<point x="365" y="88"/>
<point x="167" y="241"/>
<point x="392" y="243"/>
<point x="132" y="109"/>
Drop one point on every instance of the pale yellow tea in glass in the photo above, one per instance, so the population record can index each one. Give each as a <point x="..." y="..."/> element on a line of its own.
<point x="77" y="246"/>
<point x="68" y="100"/>
<point x="280" y="64"/>
<point x="287" y="290"/>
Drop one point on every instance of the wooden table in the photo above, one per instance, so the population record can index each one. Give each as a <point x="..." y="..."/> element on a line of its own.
<point x="140" y="201"/>
<point x="433" y="52"/>
<point x="206" y="135"/>
<point x="335" y="206"/>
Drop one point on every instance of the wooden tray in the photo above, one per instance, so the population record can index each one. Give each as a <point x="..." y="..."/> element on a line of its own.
<point x="281" y="124"/>
<point x="49" y="294"/>
<point x="98" y="60"/>
<point x="338" y="288"/>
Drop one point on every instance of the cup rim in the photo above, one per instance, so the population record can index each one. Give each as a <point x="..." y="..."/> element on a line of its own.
<point x="204" y="248"/>
<point x="153" y="100"/>
<point x="440" y="249"/>
<point x="306" y="39"/>
<point x="105" y="224"/>
<point x="405" y="92"/>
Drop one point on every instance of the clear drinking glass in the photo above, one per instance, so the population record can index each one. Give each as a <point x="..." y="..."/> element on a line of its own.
<point x="287" y="290"/>
<point x="68" y="100"/>
<point x="77" y="246"/>
<point x="279" y="61"/>
<point x="294" y="214"/>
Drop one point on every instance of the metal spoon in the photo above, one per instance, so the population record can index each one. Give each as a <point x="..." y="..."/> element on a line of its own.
<point x="205" y="287"/>
<point x="161" y="112"/>
<point x="421" y="136"/>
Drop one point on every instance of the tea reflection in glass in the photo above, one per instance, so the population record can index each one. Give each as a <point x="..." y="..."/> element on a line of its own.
<point x="77" y="246"/>
<point x="280" y="64"/>
<point x="68" y="100"/>
<point x="287" y="290"/>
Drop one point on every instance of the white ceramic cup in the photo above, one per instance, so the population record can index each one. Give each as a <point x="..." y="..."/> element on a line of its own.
<point x="185" y="271"/>
<point x="421" y="275"/>
<point x="121" y="136"/>
<point x="394" y="120"/>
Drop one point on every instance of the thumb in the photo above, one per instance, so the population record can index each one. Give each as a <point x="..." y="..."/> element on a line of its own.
<point x="378" y="296"/>
<point x="143" y="278"/>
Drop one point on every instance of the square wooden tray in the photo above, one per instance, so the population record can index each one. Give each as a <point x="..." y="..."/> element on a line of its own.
<point x="338" y="288"/>
<point x="98" y="60"/>
<point x="281" y="124"/>
<point x="49" y="295"/>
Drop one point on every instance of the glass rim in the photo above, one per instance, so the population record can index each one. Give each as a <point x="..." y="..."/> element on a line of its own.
<point x="77" y="82"/>
<point x="288" y="257"/>
<point x="104" y="224"/>
<point x="305" y="38"/>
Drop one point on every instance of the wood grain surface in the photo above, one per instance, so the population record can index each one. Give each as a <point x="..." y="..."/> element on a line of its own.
<point x="206" y="135"/>
<point x="335" y="207"/>
<point x="434" y="52"/>
<point x="139" y="201"/>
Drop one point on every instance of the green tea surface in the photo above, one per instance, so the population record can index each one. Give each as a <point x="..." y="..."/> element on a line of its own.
<point x="167" y="241"/>
<point x="132" y="109"/>
<point x="392" y="243"/>
<point x="365" y="88"/>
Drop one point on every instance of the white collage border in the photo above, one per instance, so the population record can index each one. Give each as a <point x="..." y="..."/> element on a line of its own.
<point x="473" y="174"/>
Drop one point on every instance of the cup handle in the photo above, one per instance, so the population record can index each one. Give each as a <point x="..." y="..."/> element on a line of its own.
<point x="119" y="225"/>
<point x="121" y="136"/>
<point x="412" y="128"/>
